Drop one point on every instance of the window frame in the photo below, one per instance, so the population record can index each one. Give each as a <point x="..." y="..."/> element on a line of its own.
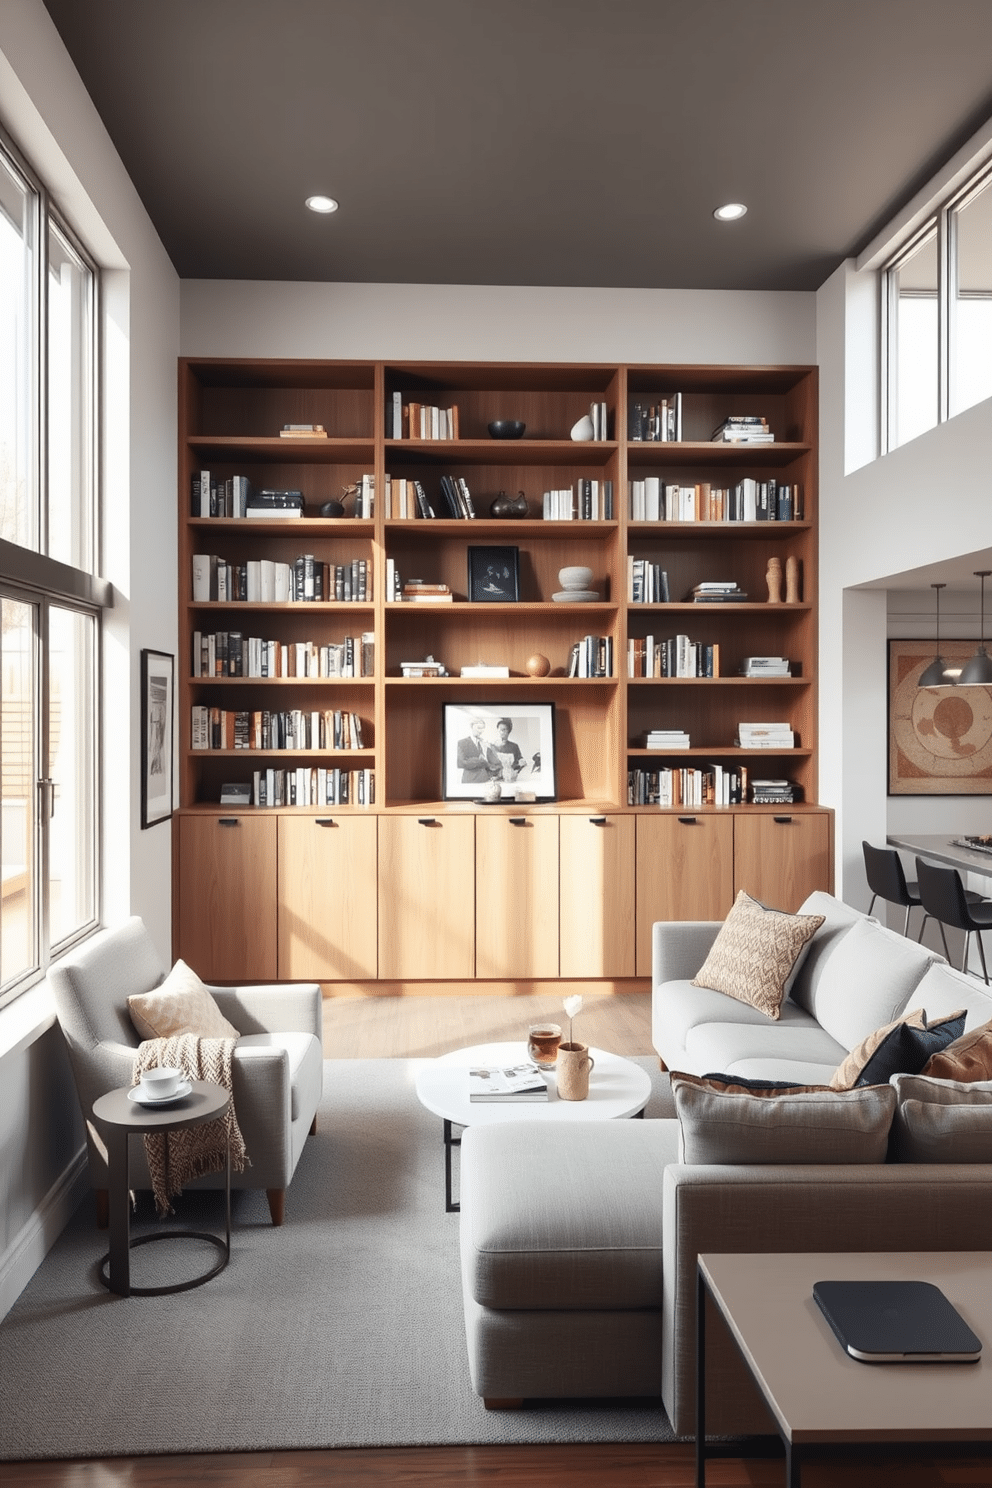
<point x="33" y="577"/>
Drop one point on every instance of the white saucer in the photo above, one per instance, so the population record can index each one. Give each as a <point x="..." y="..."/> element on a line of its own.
<point x="140" y="1099"/>
<point x="575" y="596"/>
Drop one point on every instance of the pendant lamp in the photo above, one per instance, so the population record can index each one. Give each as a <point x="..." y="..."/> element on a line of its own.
<point x="936" y="674"/>
<point x="978" y="671"/>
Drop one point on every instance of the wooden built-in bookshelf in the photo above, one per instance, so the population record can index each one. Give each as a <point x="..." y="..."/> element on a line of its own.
<point x="231" y="412"/>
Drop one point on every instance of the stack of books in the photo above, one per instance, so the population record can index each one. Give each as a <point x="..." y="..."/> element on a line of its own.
<point x="743" y="429"/>
<point x="417" y="591"/>
<point x="665" y="739"/>
<point x="269" y="504"/>
<point x="507" y="1084"/>
<point x="773" y="792"/>
<point x="426" y="668"/>
<point x="718" y="592"/>
<point x="766" y="666"/>
<point x="302" y="431"/>
<point x="765" y="736"/>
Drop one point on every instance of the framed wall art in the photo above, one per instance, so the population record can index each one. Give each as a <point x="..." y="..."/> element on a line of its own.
<point x="511" y="745"/>
<point x="157" y="707"/>
<point x="940" y="738"/>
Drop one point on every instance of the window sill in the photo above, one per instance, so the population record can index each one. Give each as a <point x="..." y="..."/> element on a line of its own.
<point x="26" y="1019"/>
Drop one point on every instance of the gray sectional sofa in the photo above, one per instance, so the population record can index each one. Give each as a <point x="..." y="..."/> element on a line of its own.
<point x="579" y="1242"/>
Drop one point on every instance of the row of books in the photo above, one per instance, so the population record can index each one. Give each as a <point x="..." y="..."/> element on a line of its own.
<point x="265" y="581"/>
<point x="647" y="582"/>
<point x="592" y="656"/>
<point x="420" y="420"/>
<point x="292" y="728"/>
<point x="675" y="656"/>
<point x="751" y="500"/>
<point x="230" y="653"/>
<point x="313" y="787"/>
<point x="692" y="786"/>
<point x="659" y="422"/>
<point x="599" y="417"/>
<point x="586" y="500"/>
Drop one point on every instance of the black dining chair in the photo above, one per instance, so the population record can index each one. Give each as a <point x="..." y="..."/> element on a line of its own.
<point x="945" y="900"/>
<point x="886" y="879"/>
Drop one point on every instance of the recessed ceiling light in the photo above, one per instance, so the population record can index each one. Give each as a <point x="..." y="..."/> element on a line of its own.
<point x="322" y="204"/>
<point x="730" y="212"/>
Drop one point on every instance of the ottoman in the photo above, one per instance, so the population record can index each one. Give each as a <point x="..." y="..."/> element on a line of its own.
<point x="561" y="1247"/>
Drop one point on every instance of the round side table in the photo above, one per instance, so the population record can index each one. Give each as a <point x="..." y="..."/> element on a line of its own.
<point x="118" y="1119"/>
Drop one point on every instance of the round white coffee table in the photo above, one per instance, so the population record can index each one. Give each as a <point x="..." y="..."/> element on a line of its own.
<point x="617" y="1088"/>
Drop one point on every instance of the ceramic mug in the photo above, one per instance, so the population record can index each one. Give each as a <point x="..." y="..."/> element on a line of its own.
<point x="574" y="1064"/>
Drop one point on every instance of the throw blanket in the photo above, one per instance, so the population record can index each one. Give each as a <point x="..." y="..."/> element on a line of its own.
<point x="175" y="1158"/>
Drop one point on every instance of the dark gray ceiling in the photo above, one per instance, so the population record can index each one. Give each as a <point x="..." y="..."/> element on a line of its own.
<point x="541" y="142"/>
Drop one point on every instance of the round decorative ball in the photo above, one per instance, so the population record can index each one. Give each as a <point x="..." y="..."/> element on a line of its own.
<point x="332" y="509"/>
<point x="538" y="665"/>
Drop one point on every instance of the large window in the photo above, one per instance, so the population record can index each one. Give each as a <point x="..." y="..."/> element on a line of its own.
<point x="938" y="324"/>
<point x="51" y="599"/>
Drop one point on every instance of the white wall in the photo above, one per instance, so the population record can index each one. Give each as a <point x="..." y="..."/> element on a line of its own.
<point x="45" y="108"/>
<point x="426" y="322"/>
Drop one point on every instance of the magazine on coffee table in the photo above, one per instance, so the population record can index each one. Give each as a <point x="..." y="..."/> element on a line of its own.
<point x="507" y="1083"/>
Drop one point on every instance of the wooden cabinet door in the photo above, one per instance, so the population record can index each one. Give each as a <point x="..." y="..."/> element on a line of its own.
<point x="516" y="896"/>
<point x="596" y="884"/>
<point x="327" y="898"/>
<point x="227" y="897"/>
<point x="427" y="897"/>
<point x="685" y="871"/>
<point x="780" y="858"/>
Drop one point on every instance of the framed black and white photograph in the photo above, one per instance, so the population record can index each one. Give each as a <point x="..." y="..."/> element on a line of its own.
<point x="493" y="575"/>
<point x="158" y="670"/>
<point x="509" y="745"/>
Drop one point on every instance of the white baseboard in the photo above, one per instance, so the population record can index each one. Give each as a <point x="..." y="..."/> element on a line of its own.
<point x="37" y="1236"/>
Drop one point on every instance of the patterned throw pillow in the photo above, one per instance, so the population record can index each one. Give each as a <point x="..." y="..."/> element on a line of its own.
<point x="754" y="953"/>
<point x="182" y="1004"/>
<point x="900" y="1048"/>
<point x="968" y="1058"/>
<point x="807" y="1124"/>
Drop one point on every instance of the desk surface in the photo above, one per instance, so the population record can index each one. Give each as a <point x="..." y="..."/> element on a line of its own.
<point x="817" y="1392"/>
<point x="945" y="850"/>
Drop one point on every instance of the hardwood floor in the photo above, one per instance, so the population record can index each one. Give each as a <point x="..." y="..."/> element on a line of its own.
<point x="420" y="1027"/>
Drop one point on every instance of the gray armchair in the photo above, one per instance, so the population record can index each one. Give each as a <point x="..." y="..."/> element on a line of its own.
<point x="277" y="1065"/>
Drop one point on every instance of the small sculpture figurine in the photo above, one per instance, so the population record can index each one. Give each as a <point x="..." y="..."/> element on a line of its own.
<point x="493" y="791"/>
<point x="773" y="578"/>
<point x="509" y="506"/>
<point x="792" y="581"/>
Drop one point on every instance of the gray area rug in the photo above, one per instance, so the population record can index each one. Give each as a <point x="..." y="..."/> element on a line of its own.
<point x="341" y="1329"/>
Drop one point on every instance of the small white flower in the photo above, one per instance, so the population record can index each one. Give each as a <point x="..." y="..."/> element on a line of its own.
<point x="572" y="1005"/>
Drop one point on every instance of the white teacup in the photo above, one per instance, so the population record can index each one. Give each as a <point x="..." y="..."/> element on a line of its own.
<point x="161" y="1082"/>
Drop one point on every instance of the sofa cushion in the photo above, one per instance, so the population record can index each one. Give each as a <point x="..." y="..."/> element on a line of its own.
<point x="902" y="1047"/>
<point x="967" y="1058"/>
<point x="679" y="1007"/>
<point x="538" y="1235"/>
<point x="754" y="954"/>
<point x="942" y="1121"/>
<point x="807" y="1126"/>
<point x="838" y="919"/>
<point x="795" y="1038"/>
<point x="180" y="1004"/>
<point x="943" y="990"/>
<point x="867" y="981"/>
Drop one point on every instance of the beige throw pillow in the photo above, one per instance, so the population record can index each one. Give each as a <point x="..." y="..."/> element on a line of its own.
<point x="805" y="1125"/>
<point x="753" y="955"/>
<point x="182" y="1004"/>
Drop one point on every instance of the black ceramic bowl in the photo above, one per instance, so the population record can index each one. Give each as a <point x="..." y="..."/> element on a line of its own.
<point x="507" y="429"/>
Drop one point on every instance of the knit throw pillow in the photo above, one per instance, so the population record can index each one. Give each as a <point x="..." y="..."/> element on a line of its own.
<point x="182" y="1004"/>
<point x="754" y="954"/>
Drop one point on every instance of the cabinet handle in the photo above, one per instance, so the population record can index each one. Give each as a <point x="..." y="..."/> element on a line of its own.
<point x="783" y="821"/>
<point x="518" y="821"/>
<point x="428" y="821"/>
<point x="598" y="821"/>
<point x="228" y="821"/>
<point x="689" y="821"/>
<point x="326" y="821"/>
